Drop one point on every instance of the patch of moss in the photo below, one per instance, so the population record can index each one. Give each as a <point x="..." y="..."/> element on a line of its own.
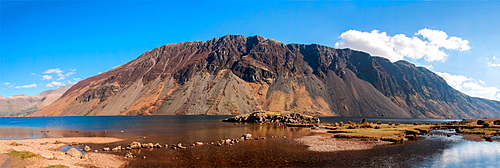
<point x="22" y="154"/>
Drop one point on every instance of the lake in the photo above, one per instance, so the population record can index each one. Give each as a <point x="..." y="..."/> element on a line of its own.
<point x="429" y="151"/>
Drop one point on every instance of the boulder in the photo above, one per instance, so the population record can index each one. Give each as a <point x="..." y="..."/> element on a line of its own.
<point x="73" y="152"/>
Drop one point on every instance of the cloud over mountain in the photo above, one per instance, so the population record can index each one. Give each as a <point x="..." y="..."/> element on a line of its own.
<point x="431" y="46"/>
<point x="471" y="86"/>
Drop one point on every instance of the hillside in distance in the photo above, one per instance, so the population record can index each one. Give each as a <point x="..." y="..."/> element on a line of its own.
<point x="20" y="105"/>
<point x="235" y="74"/>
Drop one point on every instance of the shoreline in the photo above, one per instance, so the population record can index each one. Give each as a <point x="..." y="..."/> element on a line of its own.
<point x="47" y="150"/>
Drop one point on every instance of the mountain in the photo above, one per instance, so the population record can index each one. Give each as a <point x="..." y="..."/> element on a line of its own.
<point x="20" y="105"/>
<point x="236" y="74"/>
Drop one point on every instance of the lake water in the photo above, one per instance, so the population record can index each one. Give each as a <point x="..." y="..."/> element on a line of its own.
<point x="429" y="151"/>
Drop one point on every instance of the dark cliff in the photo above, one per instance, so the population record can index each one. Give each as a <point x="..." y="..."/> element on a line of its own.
<point x="236" y="74"/>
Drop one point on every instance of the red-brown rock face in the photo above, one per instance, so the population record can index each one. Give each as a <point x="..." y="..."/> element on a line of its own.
<point x="235" y="74"/>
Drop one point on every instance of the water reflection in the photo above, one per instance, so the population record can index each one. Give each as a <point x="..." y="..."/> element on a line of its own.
<point x="469" y="154"/>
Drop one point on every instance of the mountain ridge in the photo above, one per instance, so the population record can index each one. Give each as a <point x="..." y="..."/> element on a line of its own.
<point x="20" y="105"/>
<point x="235" y="74"/>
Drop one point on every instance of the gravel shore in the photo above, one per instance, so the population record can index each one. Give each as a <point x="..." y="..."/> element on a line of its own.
<point x="320" y="143"/>
<point x="48" y="149"/>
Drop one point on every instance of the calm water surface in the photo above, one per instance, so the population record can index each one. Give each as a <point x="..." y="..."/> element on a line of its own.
<point x="430" y="151"/>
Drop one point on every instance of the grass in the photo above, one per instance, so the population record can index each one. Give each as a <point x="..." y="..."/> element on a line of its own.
<point x="22" y="154"/>
<point x="383" y="132"/>
<point x="57" y="166"/>
<point x="482" y="131"/>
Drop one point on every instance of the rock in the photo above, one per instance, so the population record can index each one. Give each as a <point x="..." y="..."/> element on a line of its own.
<point x="106" y="149"/>
<point x="275" y="117"/>
<point x="122" y="131"/>
<point x="96" y="151"/>
<point x="166" y="145"/>
<point x="73" y="144"/>
<point x="129" y="155"/>
<point x="86" y="156"/>
<point x="86" y="148"/>
<point x="199" y="143"/>
<point x="150" y="145"/>
<point x="247" y="136"/>
<point x="157" y="145"/>
<point x="73" y="152"/>
<point x="135" y="145"/>
<point x="117" y="148"/>
<point x="180" y="146"/>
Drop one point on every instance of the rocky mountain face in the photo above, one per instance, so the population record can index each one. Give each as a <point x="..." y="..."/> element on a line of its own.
<point x="21" y="105"/>
<point x="236" y="74"/>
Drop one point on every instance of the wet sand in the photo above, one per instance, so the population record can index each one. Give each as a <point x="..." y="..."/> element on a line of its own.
<point x="48" y="149"/>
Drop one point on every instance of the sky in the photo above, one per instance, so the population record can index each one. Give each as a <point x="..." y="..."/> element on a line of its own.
<point x="47" y="44"/>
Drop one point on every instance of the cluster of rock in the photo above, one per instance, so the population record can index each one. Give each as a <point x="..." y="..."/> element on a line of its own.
<point x="274" y="117"/>
<point x="138" y="145"/>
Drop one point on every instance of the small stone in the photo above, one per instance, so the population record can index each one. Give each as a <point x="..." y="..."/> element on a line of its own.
<point x="106" y="149"/>
<point x="122" y="131"/>
<point x="86" y="156"/>
<point x="96" y="151"/>
<point x="143" y="157"/>
<point x="86" y="148"/>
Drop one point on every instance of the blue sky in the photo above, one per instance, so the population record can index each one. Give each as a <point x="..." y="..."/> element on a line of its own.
<point x="45" y="44"/>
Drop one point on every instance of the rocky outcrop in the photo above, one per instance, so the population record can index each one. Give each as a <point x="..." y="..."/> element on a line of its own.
<point x="274" y="117"/>
<point x="234" y="75"/>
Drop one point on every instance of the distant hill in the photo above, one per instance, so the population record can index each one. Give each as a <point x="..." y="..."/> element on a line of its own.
<point x="236" y="74"/>
<point x="20" y="105"/>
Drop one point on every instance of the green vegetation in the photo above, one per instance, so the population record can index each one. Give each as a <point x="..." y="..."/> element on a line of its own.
<point x="481" y="131"/>
<point x="57" y="166"/>
<point x="22" y="154"/>
<point x="384" y="132"/>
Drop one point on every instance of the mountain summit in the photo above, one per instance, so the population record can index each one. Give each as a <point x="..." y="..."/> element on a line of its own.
<point x="236" y="74"/>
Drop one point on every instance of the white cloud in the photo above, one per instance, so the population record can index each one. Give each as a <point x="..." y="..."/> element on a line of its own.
<point x="471" y="86"/>
<point x="495" y="63"/>
<point x="6" y="83"/>
<point x="490" y="64"/>
<point x="27" y="86"/>
<point x="46" y="77"/>
<point x="60" y="73"/>
<point x="54" y="83"/>
<point x="55" y="70"/>
<point x="399" y="46"/>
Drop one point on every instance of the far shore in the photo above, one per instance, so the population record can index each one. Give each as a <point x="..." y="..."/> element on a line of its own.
<point x="48" y="154"/>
